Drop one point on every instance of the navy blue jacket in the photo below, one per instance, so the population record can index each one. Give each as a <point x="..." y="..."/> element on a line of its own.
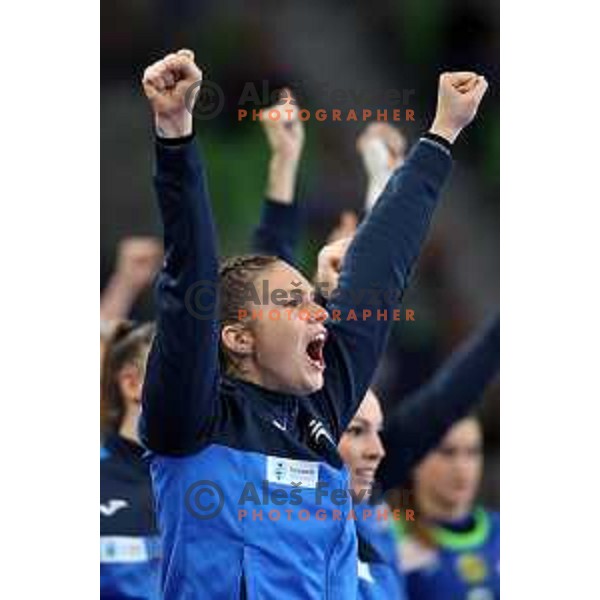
<point x="421" y="420"/>
<point x="278" y="230"/>
<point x="415" y="427"/>
<point x="213" y="436"/>
<point x="129" y="543"/>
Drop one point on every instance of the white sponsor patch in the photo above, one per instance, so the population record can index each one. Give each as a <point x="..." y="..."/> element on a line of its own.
<point x="286" y="471"/>
<point x="121" y="549"/>
<point x="364" y="572"/>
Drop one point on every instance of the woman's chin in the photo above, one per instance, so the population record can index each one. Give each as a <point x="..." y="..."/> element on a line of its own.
<point x="318" y="382"/>
<point x="312" y="382"/>
<point x="363" y="488"/>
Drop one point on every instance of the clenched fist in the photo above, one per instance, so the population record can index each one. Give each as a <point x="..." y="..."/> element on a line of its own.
<point x="169" y="84"/>
<point x="285" y="135"/>
<point x="346" y="227"/>
<point x="459" y="96"/>
<point x="138" y="261"/>
<point x="382" y="149"/>
<point x="283" y="128"/>
<point x="381" y="135"/>
<point x="329" y="265"/>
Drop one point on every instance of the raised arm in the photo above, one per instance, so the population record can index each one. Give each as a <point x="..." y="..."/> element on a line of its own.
<point x="179" y="395"/>
<point x="279" y="227"/>
<point x="421" y="420"/>
<point x="379" y="261"/>
<point x="138" y="261"/>
<point x="382" y="149"/>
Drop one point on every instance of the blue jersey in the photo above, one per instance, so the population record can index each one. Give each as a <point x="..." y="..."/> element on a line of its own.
<point x="251" y="514"/>
<point x="244" y="478"/>
<point x="129" y="543"/>
<point x="379" y="575"/>
<point x="458" y="564"/>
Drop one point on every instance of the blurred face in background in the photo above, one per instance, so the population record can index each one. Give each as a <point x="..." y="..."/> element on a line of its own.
<point x="131" y="380"/>
<point x="447" y="480"/>
<point x="360" y="447"/>
<point x="123" y="377"/>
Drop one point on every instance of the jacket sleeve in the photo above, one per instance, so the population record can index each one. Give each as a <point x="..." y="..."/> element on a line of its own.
<point x="375" y="274"/>
<point x="180" y="389"/>
<point x="278" y="231"/>
<point x="420" y="421"/>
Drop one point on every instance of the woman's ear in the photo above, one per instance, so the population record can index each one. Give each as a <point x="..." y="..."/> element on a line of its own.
<point x="238" y="339"/>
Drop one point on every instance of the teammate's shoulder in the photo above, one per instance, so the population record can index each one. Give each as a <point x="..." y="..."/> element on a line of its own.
<point x="493" y="516"/>
<point x="415" y="555"/>
<point x="493" y="519"/>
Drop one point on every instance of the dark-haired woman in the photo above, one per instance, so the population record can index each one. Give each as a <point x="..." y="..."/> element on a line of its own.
<point x="129" y="542"/>
<point x="452" y="548"/>
<point x="411" y="430"/>
<point x="234" y="400"/>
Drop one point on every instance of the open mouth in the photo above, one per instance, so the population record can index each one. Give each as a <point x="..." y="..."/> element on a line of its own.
<point x="314" y="351"/>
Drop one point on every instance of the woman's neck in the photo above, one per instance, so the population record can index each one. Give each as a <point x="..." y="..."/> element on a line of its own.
<point x="255" y="377"/>
<point x="434" y="510"/>
<point x="129" y="425"/>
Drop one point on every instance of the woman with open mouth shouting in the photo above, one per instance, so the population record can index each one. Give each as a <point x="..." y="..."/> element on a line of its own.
<point x="230" y="402"/>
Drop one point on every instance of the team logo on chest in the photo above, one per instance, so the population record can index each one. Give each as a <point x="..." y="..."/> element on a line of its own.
<point x="112" y="506"/>
<point x="318" y="432"/>
<point x="280" y="470"/>
<point x="472" y="568"/>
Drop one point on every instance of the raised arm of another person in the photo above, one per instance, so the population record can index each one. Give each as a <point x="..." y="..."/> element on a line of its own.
<point x="382" y="148"/>
<point x="379" y="261"/>
<point x="421" y="420"/>
<point x="138" y="261"/>
<point x="180" y="389"/>
<point x="279" y="227"/>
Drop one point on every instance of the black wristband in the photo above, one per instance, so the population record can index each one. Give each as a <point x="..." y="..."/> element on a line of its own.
<point x="179" y="141"/>
<point x="438" y="139"/>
